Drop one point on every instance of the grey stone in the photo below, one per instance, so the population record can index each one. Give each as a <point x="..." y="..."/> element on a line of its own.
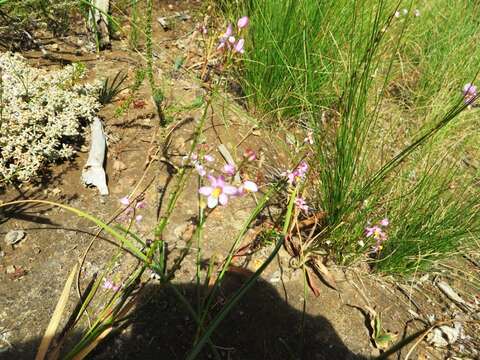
<point x="14" y="236"/>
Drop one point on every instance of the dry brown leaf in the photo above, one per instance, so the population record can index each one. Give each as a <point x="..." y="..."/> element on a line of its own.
<point x="82" y="354"/>
<point x="313" y="282"/>
<point x="323" y="272"/>
<point x="56" y="317"/>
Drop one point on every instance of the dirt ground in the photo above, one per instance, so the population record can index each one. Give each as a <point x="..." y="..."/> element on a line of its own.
<point x="268" y="322"/>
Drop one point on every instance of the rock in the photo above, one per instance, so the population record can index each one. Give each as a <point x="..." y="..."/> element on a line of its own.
<point x="276" y="277"/>
<point x="183" y="16"/>
<point x="180" y="230"/>
<point x="10" y="269"/>
<point x="184" y="231"/>
<point x="180" y="244"/>
<point x="56" y="191"/>
<point x="119" y="165"/>
<point x="14" y="236"/>
<point x="178" y="144"/>
<point x="444" y="335"/>
<point x="164" y="23"/>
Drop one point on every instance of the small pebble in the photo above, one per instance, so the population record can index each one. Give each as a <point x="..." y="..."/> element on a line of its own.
<point x="276" y="277"/>
<point x="119" y="165"/>
<point x="164" y="23"/>
<point x="14" y="236"/>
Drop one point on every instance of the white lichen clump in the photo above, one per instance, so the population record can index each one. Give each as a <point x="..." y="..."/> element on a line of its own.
<point x="40" y="115"/>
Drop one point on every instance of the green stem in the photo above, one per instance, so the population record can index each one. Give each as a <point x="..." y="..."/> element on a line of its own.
<point x="250" y="282"/>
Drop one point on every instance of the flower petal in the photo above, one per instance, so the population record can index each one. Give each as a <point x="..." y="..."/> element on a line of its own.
<point x="229" y="169"/>
<point x="141" y="204"/>
<point x="212" y="201"/>
<point x="243" y="22"/>
<point x="369" y="231"/>
<point x="212" y="180"/>
<point x="250" y="186"/>
<point x="223" y="199"/>
<point x="200" y="170"/>
<point x="239" y="46"/>
<point x="229" y="31"/>
<point x="220" y="182"/>
<point x="230" y="190"/>
<point x="250" y="154"/>
<point x="205" y="190"/>
<point x="240" y="191"/>
<point x="209" y="158"/>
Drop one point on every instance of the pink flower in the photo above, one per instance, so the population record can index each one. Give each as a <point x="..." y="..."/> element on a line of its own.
<point x="378" y="234"/>
<point x="243" y="22"/>
<point x="226" y="37"/>
<point x="290" y="177"/>
<point x="302" y="169"/>
<point x="217" y="192"/>
<point x="193" y="158"/>
<point x="301" y="204"/>
<point x="141" y="204"/>
<point x="107" y="284"/>
<point x="250" y="155"/>
<point x="239" y="46"/>
<point x="129" y="210"/>
<point x="202" y="29"/>
<point x="469" y="93"/>
<point x="229" y="30"/>
<point x="247" y="186"/>
<point x="375" y="231"/>
<point x="229" y="169"/>
<point x="297" y="174"/>
<point x="209" y="158"/>
<point x="200" y="169"/>
<point x="250" y="186"/>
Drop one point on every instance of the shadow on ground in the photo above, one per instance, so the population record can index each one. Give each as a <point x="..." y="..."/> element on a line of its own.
<point x="262" y="326"/>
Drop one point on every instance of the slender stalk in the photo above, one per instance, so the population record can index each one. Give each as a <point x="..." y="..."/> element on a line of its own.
<point x="250" y="282"/>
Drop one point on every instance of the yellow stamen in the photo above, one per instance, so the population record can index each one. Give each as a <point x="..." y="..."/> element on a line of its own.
<point x="216" y="192"/>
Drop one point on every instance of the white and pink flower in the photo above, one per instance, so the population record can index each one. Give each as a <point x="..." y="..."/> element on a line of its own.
<point x="469" y="93"/>
<point x="218" y="191"/>
<point x="297" y="174"/>
<point x="243" y="22"/>
<point x="229" y="169"/>
<point x="301" y="204"/>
